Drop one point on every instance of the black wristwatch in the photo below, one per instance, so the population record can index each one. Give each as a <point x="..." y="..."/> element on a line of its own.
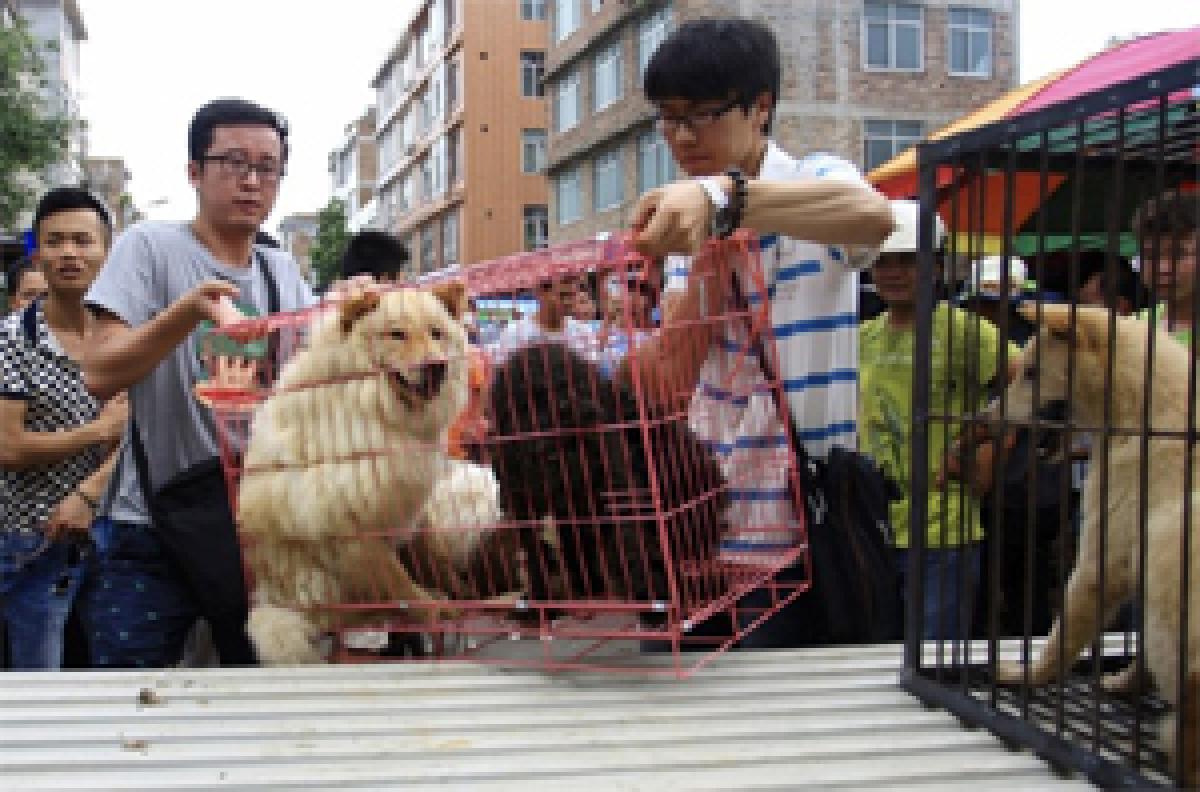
<point x="728" y="218"/>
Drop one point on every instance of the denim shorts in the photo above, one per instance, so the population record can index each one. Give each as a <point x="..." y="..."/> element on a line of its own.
<point x="39" y="580"/>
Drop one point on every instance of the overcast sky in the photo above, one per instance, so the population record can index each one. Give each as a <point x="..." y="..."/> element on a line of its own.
<point x="148" y="64"/>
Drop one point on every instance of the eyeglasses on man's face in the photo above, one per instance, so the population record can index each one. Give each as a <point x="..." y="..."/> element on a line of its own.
<point x="236" y="165"/>
<point x="695" y="121"/>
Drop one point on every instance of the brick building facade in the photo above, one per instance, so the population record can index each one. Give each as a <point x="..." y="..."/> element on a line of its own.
<point x="861" y="78"/>
<point x="461" y="131"/>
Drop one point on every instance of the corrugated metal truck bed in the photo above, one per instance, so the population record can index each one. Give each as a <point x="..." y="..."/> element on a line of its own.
<point x="832" y="717"/>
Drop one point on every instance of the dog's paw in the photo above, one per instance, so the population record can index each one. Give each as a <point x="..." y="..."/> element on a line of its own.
<point x="1127" y="681"/>
<point x="283" y="637"/>
<point x="1012" y="672"/>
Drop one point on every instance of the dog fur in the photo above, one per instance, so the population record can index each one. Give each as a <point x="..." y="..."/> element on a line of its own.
<point x="568" y="446"/>
<point x="460" y="547"/>
<point x="1045" y="361"/>
<point x="342" y="458"/>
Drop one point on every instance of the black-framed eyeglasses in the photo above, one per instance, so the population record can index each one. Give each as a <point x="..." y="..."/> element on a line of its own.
<point x="695" y="121"/>
<point x="238" y="166"/>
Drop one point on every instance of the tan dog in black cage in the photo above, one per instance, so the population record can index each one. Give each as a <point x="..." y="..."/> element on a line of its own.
<point x="1101" y="361"/>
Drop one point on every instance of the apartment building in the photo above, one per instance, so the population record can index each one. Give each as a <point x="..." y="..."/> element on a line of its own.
<point x="462" y="131"/>
<point x="864" y="79"/>
<point x="354" y="170"/>
<point x="297" y="232"/>
<point x="57" y="26"/>
<point x="109" y="179"/>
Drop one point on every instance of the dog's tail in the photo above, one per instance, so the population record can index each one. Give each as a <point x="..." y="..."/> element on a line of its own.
<point x="283" y="637"/>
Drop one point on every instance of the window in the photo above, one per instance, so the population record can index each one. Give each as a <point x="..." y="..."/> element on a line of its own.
<point x="453" y="91"/>
<point x="566" y="18"/>
<point x="892" y="36"/>
<point x="435" y="94"/>
<point x="437" y="155"/>
<point x="608" y="182"/>
<point x="566" y="103"/>
<point x="533" y="69"/>
<point x="428" y="260"/>
<point x="597" y="6"/>
<point x="651" y="32"/>
<point x="533" y="150"/>
<point x="533" y="10"/>
<point x="450" y="239"/>
<point x="606" y="76"/>
<point x="426" y="169"/>
<point x="404" y="196"/>
<point x="566" y="193"/>
<point x="656" y="166"/>
<point x="454" y="171"/>
<point x="537" y="227"/>
<point x="886" y="139"/>
<point x="971" y="42"/>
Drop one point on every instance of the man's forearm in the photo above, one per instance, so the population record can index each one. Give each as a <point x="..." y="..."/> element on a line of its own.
<point x="32" y="449"/>
<point x="117" y="362"/>
<point x="94" y="485"/>
<point x="829" y="212"/>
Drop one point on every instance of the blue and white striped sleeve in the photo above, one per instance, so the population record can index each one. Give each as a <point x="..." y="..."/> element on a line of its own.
<point x="676" y="270"/>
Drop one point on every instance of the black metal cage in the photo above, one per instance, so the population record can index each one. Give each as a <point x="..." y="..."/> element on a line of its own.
<point x="1054" y="412"/>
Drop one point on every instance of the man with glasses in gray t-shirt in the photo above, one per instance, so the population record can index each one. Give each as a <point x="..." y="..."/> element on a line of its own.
<point x="165" y="562"/>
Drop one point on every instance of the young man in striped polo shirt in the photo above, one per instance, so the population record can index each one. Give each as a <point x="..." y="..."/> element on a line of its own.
<point x="715" y="84"/>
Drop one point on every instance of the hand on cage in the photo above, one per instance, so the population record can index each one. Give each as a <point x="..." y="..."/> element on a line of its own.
<point x="212" y="300"/>
<point x="348" y="287"/>
<point x="675" y="218"/>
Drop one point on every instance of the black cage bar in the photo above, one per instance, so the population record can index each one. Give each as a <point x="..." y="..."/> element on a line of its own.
<point x="1076" y="454"/>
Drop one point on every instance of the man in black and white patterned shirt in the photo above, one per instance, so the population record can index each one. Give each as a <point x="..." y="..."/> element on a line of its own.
<point x="58" y="444"/>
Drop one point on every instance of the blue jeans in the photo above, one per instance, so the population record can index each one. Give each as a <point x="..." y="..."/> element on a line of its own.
<point x="949" y="600"/>
<point x="38" y="583"/>
<point x="134" y="607"/>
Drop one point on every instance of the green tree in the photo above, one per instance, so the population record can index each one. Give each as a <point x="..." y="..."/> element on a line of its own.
<point x="31" y="136"/>
<point x="330" y="242"/>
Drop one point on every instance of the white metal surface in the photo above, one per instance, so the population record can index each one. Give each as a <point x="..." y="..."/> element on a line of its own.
<point x="821" y="718"/>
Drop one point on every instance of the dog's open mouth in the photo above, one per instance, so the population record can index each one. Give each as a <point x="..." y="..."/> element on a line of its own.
<point x="420" y="383"/>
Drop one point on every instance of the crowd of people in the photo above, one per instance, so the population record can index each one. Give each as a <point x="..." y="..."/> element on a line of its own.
<point x="116" y="534"/>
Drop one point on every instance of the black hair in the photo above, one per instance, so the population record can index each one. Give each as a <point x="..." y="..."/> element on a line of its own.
<point x="15" y="271"/>
<point x="1173" y="213"/>
<point x="66" y="199"/>
<point x="715" y="59"/>
<point x="375" y="253"/>
<point x="231" y="112"/>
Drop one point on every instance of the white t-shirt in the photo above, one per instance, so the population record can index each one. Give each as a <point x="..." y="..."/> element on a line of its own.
<point x="525" y="331"/>
<point x="812" y="291"/>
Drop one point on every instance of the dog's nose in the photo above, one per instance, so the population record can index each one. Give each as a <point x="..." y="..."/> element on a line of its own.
<point x="433" y="374"/>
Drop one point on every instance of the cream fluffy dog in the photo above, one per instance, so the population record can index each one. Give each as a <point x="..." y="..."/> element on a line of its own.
<point x="1168" y="492"/>
<point x="341" y="459"/>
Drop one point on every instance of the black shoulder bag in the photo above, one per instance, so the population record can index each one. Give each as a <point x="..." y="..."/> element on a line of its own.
<point x="192" y="516"/>
<point x="855" y="594"/>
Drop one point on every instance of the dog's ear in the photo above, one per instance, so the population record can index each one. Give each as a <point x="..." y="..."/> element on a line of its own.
<point x="453" y="295"/>
<point x="1086" y="326"/>
<point x="356" y="307"/>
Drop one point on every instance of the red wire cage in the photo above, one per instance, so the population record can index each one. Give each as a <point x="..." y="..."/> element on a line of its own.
<point x="570" y="500"/>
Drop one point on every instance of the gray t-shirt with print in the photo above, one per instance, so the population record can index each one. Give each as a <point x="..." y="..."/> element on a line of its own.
<point x="152" y="265"/>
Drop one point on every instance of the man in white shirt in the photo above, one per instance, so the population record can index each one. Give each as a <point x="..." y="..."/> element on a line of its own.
<point x="715" y="83"/>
